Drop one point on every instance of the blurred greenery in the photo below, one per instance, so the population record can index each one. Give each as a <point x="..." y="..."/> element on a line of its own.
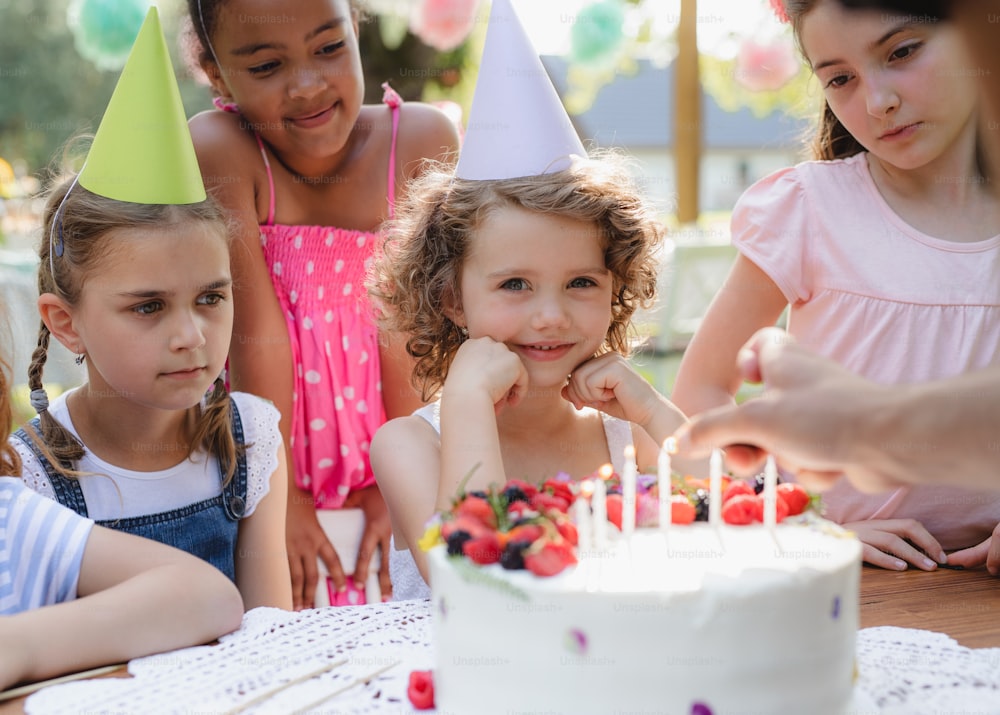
<point x="48" y="93"/>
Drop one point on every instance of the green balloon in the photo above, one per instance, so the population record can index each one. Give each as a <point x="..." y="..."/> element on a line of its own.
<point x="104" y="30"/>
<point x="597" y="34"/>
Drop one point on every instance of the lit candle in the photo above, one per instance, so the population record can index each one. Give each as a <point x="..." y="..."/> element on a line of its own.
<point x="663" y="470"/>
<point x="629" y="477"/>
<point x="599" y="507"/>
<point x="581" y="515"/>
<point x="715" y="488"/>
<point x="770" y="492"/>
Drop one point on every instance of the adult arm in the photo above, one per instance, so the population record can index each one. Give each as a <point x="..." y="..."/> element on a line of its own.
<point x="821" y="421"/>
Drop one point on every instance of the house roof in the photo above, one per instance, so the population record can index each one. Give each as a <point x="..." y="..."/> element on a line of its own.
<point x="634" y="111"/>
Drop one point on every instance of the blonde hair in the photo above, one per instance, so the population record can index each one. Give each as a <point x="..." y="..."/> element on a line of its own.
<point x="76" y="227"/>
<point x="425" y="247"/>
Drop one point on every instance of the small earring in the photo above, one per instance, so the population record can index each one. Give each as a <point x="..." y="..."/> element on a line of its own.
<point x="79" y="358"/>
<point x="464" y="332"/>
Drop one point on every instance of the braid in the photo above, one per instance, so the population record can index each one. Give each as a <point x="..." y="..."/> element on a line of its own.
<point x="57" y="443"/>
<point x="214" y="431"/>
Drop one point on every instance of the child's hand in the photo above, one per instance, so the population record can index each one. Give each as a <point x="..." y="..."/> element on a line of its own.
<point x="988" y="553"/>
<point x="306" y="541"/>
<point x="483" y="364"/>
<point x="608" y="383"/>
<point x="893" y="543"/>
<point x="376" y="535"/>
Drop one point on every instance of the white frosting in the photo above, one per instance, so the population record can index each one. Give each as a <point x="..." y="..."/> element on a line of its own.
<point x="740" y="619"/>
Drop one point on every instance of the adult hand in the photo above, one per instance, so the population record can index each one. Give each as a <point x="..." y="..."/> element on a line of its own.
<point x="894" y="543"/>
<point x="306" y="542"/>
<point x="987" y="552"/>
<point x="376" y="535"/>
<point x="808" y="417"/>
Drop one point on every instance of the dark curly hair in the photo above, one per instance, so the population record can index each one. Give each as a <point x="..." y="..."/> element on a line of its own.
<point x="203" y="20"/>
<point x="425" y="247"/>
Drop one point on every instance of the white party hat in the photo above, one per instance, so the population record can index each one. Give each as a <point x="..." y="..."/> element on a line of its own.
<point x="517" y="125"/>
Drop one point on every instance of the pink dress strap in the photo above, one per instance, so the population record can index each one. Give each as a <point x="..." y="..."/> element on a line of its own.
<point x="391" y="98"/>
<point x="232" y="108"/>
<point x="270" y="181"/>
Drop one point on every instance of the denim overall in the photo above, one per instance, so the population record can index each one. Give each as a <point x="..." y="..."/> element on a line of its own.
<point x="207" y="529"/>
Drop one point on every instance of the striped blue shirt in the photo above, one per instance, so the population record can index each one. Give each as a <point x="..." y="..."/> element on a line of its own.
<point x="41" y="549"/>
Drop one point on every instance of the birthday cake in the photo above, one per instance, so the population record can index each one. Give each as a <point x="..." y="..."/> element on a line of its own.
<point x="695" y="619"/>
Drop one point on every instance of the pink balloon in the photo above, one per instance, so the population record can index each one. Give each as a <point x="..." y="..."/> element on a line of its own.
<point x="763" y="68"/>
<point x="443" y="24"/>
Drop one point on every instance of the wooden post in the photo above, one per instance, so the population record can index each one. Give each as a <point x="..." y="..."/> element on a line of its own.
<point x="687" y="114"/>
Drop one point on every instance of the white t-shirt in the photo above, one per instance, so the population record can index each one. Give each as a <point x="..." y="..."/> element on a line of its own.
<point x="115" y="493"/>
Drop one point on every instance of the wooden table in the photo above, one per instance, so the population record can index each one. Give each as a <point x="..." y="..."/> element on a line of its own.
<point x="963" y="604"/>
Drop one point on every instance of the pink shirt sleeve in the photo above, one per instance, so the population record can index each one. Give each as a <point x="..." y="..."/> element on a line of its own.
<point x="770" y="224"/>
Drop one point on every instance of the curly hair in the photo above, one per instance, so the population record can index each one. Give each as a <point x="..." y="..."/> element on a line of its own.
<point x="419" y="268"/>
<point x="79" y="223"/>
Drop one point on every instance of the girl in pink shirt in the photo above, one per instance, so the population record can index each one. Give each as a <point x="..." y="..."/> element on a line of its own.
<point x="885" y="249"/>
<point x="308" y="173"/>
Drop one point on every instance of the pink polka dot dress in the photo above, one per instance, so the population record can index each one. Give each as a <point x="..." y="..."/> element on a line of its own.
<point x="318" y="274"/>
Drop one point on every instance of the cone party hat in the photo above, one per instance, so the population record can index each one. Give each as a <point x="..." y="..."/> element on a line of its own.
<point x="517" y="125"/>
<point x="142" y="152"/>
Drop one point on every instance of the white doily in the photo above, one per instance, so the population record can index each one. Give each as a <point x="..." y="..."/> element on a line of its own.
<point x="903" y="671"/>
<point x="370" y="651"/>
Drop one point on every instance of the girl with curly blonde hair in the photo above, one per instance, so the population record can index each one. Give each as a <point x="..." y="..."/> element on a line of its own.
<point x="518" y="296"/>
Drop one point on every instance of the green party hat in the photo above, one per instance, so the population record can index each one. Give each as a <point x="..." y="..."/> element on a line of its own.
<point x="142" y="152"/>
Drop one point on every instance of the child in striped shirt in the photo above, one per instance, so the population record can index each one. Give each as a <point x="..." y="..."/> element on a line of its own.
<point x="74" y="595"/>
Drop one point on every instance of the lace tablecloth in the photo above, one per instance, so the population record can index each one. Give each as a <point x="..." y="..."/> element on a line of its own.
<point x="358" y="660"/>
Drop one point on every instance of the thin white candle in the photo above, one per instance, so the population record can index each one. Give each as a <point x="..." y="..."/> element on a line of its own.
<point x="599" y="507"/>
<point x="663" y="471"/>
<point x="629" y="476"/>
<point x="715" y="488"/>
<point x="581" y="515"/>
<point x="770" y="492"/>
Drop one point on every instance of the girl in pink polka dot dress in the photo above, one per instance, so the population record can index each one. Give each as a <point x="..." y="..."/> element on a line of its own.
<point x="309" y="174"/>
